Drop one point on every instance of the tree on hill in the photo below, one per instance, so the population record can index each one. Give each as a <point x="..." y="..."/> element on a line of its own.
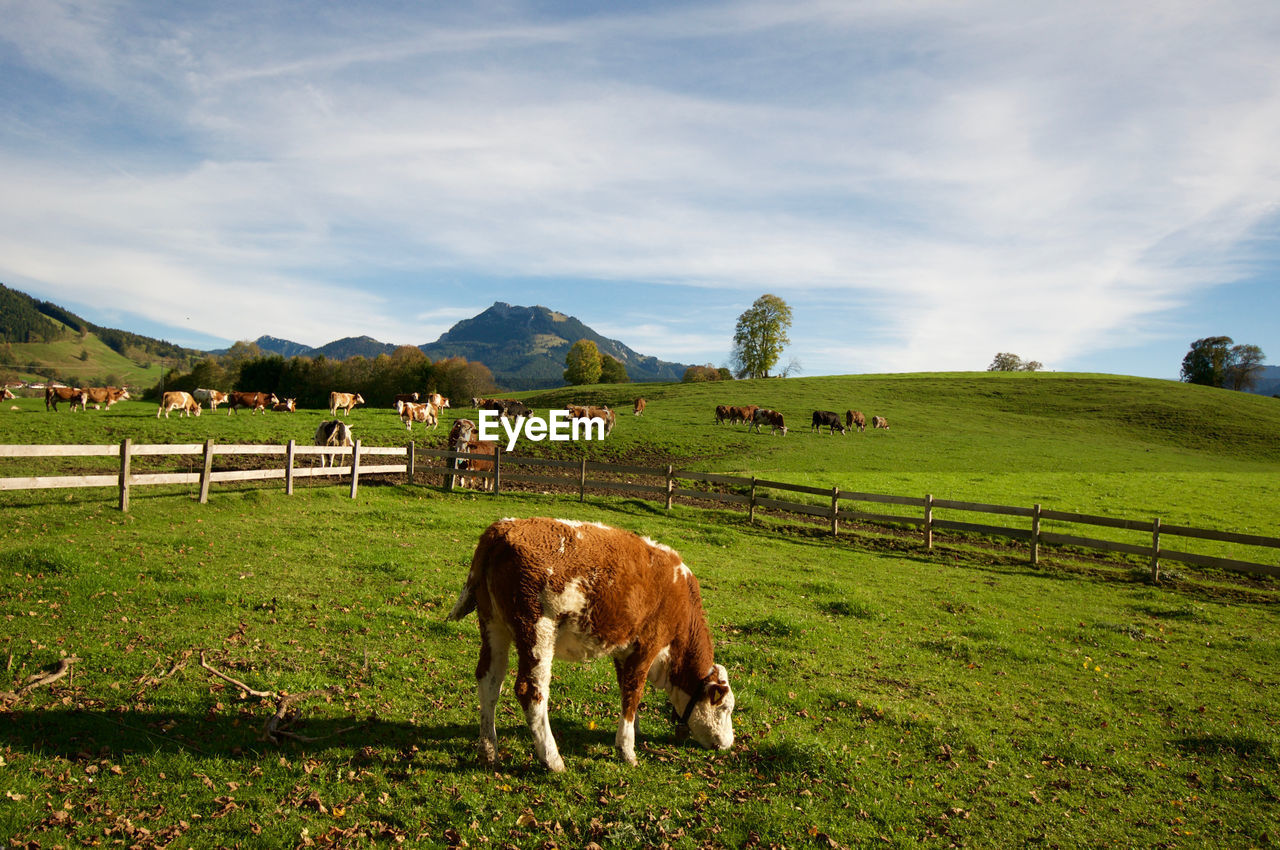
<point x="583" y="362"/>
<point x="760" y="336"/>
<point x="1007" y="362"/>
<point x="1215" y="361"/>
<point x="612" y="371"/>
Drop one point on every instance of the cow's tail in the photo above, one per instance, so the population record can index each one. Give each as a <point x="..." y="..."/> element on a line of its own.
<point x="467" y="596"/>
<point x="466" y="603"/>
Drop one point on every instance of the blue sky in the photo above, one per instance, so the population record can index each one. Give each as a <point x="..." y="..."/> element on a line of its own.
<point x="926" y="182"/>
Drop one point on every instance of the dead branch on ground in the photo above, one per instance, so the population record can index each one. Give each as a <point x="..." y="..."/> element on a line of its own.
<point x="285" y="715"/>
<point x="38" y="680"/>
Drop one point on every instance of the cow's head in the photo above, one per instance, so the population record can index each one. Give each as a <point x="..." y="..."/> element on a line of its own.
<point x="710" y="719"/>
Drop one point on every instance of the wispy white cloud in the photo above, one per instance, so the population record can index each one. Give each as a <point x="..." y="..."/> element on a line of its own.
<point x="969" y="177"/>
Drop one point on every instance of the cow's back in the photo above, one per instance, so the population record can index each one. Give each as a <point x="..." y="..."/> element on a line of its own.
<point x="608" y="585"/>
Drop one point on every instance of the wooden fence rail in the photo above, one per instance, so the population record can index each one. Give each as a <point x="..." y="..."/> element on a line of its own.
<point x="669" y="483"/>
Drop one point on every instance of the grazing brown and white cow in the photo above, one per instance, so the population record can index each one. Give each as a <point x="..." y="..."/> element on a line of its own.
<point x="879" y="422"/>
<point x="289" y="405"/>
<point x="211" y="397"/>
<point x="639" y="406"/>
<point x="178" y="400"/>
<point x="463" y="438"/>
<point x="745" y="414"/>
<point x="772" y="418"/>
<point x="98" y="396"/>
<point x="580" y="591"/>
<point x="343" y="402"/>
<point x="437" y="401"/>
<point x="75" y="395"/>
<point x="604" y="414"/>
<point x="854" y="418"/>
<point x="826" y="419"/>
<point x="254" y="401"/>
<point x="7" y="394"/>
<point x="333" y="433"/>
<point x="411" y="413"/>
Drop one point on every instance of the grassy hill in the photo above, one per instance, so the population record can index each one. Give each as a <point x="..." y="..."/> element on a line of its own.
<point x="1093" y="443"/>
<point x="77" y="360"/>
<point x="40" y="340"/>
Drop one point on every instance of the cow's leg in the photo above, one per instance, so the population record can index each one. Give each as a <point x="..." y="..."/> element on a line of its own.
<point x="533" y="682"/>
<point x="631" y="671"/>
<point x="495" y="646"/>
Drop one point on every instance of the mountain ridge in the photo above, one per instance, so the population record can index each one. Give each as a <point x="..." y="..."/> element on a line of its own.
<point x="524" y="347"/>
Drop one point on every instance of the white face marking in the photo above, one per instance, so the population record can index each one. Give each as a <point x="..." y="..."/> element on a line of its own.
<point x="712" y="725"/>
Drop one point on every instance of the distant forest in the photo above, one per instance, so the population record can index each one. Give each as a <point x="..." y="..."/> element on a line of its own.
<point x="309" y="380"/>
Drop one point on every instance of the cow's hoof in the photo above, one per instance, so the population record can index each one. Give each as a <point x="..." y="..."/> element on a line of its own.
<point x="488" y="752"/>
<point x="629" y="758"/>
<point x="556" y="765"/>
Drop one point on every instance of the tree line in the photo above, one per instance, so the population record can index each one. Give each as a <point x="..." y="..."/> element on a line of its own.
<point x="309" y="380"/>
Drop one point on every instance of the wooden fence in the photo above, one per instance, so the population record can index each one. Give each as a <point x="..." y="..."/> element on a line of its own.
<point x="832" y="504"/>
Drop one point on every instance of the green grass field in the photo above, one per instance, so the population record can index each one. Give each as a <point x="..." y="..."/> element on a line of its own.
<point x="886" y="694"/>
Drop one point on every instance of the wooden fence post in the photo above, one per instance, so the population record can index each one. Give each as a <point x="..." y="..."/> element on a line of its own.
<point x="1035" y="535"/>
<point x="835" y="511"/>
<point x="206" y="474"/>
<point x="126" y="446"/>
<point x="451" y="466"/>
<point x="751" y="512"/>
<point x="1155" y="550"/>
<point x="497" y="471"/>
<point x="671" y="483"/>
<point x="355" y="468"/>
<point x="928" y="521"/>
<point x="582" y="480"/>
<point x="409" y="461"/>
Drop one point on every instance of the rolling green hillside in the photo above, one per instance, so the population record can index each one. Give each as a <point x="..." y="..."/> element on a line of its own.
<point x="101" y="366"/>
<point x="1093" y="443"/>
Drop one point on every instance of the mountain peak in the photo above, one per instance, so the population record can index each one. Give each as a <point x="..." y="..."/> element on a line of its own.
<point x="525" y="347"/>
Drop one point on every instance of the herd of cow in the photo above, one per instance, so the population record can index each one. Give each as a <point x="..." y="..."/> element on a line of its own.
<point x="755" y="416"/>
<point x="81" y="397"/>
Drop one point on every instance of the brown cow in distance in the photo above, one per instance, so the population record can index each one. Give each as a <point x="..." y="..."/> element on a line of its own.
<point x="854" y="418"/>
<point x="879" y="422"/>
<point x="333" y="434"/>
<point x="581" y="591"/>
<point x="343" y="402"/>
<point x="254" y="401"/>
<point x="178" y="400"/>
<point x="463" y="438"/>
<point x="772" y="418"/>
<point x="99" y="396"/>
<point x="213" y="397"/>
<point x="75" y="395"/>
<point x="639" y="406"/>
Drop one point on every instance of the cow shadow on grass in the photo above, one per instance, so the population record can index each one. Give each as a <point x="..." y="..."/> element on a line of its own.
<point x="80" y="734"/>
<point x="91" y="735"/>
